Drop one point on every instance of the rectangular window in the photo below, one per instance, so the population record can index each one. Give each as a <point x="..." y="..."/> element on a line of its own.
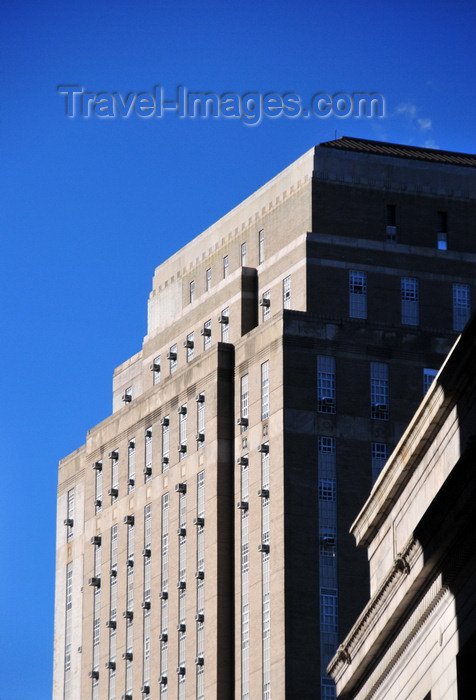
<point x="428" y="376"/>
<point x="326" y="384"/>
<point x="287" y="292"/>
<point x="380" y="454"/>
<point x="165" y="443"/>
<point x="266" y="305"/>
<point x="357" y="294"/>
<point x="379" y="390"/>
<point x="131" y="465"/>
<point x="329" y="610"/>
<point x="225" y="266"/>
<point x="68" y="632"/>
<point x="191" y="291"/>
<point x="98" y="488"/>
<point x="164" y="622"/>
<point x="244" y="397"/>
<point x="201" y="421"/>
<point x="70" y="515"/>
<point x="183" y="432"/>
<point x="461" y="306"/>
<point x="391" y="223"/>
<point x="172" y="355"/>
<point x="114" y="475"/>
<point x="148" y="455"/>
<point x="260" y="247"/>
<point x="243" y="254"/>
<point x="225" y="325"/>
<point x="208" y="279"/>
<point x="441" y="240"/>
<point x="156" y="370"/>
<point x="409" y="301"/>
<point x="265" y="390"/>
<point x="207" y="334"/>
<point x="189" y="344"/>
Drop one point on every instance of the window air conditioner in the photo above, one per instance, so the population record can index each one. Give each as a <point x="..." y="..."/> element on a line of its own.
<point x="181" y="627"/>
<point x="181" y="488"/>
<point x="242" y="421"/>
<point x="128" y="520"/>
<point x="113" y="492"/>
<point x="164" y="421"/>
<point x="127" y="656"/>
<point x="242" y="505"/>
<point x="263" y="448"/>
<point x="199" y="521"/>
<point x="127" y="398"/>
<point x="111" y="624"/>
<point x="113" y="455"/>
<point x="200" y="437"/>
<point x="199" y="661"/>
<point x="69" y="522"/>
<point x="181" y="531"/>
<point x="96" y="539"/>
<point x="145" y="605"/>
<point x="223" y="319"/>
<point x="98" y="503"/>
<point x="97" y="465"/>
<point x="131" y="482"/>
<point x="263" y="493"/>
<point x="199" y="617"/>
<point x="147" y="471"/>
<point x="128" y="615"/>
<point x="182" y="448"/>
<point x="206" y="332"/>
<point x="181" y="585"/>
<point x="182" y="410"/>
<point x="165" y="460"/>
<point x="146" y="552"/>
<point x="382" y="407"/>
<point x="130" y="563"/>
<point x="200" y="398"/>
<point x="95" y="581"/>
<point x="145" y="689"/>
<point x="242" y="461"/>
<point x="181" y="671"/>
<point x="265" y="302"/>
<point x="110" y="665"/>
<point x="163" y="680"/>
<point x="94" y="674"/>
<point x="263" y="548"/>
<point x="327" y="401"/>
<point x="155" y="367"/>
<point x="113" y="572"/>
<point x="163" y="595"/>
<point x="199" y="575"/>
<point x="171" y="355"/>
<point x="188" y="344"/>
<point x="148" y="433"/>
<point x="164" y="637"/>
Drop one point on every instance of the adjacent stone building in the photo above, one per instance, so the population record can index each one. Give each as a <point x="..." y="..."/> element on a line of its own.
<point x="202" y="541"/>
<point x="416" y="638"/>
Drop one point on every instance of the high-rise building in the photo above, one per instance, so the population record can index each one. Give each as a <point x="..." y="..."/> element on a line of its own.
<point x="203" y="546"/>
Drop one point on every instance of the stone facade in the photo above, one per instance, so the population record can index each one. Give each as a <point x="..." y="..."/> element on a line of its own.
<point x="273" y="339"/>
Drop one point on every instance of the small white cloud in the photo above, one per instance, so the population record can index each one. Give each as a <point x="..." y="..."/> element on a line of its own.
<point x="407" y="108"/>
<point x="430" y="143"/>
<point x="424" y="124"/>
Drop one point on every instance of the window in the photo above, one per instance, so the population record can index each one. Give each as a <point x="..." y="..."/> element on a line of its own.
<point x="225" y="325"/>
<point x="428" y="376"/>
<point x="156" y="370"/>
<point x="165" y="443"/>
<point x="189" y="344"/>
<point x="409" y="301"/>
<point x="329" y="610"/>
<point x="148" y="455"/>
<point x="379" y="390"/>
<point x="207" y="334"/>
<point x="98" y="488"/>
<point x="201" y="421"/>
<point x="265" y="390"/>
<point x="172" y="356"/>
<point x="327" y="489"/>
<point x="266" y="305"/>
<point x="260" y="247"/>
<point x="326" y="384"/>
<point x="442" y="243"/>
<point x="114" y="475"/>
<point x="208" y="279"/>
<point x="164" y="565"/>
<point x="225" y="266"/>
<point x="380" y="454"/>
<point x="192" y="291"/>
<point x="357" y="294"/>
<point x="70" y="515"/>
<point x="287" y="292"/>
<point x="391" y="223"/>
<point x="442" y="230"/>
<point x="244" y="399"/>
<point x="243" y="254"/>
<point x="183" y="432"/>
<point x="68" y="633"/>
<point x="461" y="306"/>
<point x="131" y="465"/>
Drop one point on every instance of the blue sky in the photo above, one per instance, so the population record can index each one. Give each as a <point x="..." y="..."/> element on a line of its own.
<point x="90" y="206"/>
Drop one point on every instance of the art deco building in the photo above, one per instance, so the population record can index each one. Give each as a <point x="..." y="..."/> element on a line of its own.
<point x="203" y="546"/>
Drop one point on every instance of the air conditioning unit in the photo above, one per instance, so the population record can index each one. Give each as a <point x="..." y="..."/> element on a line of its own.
<point x="95" y="581"/>
<point x="127" y="696"/>
<point x="145" y="689"/>
<point x="182" y="410"/>
<point x="263" y="548"/>
<point x="171" y="355"/>
<point x="264" y="448"/>
<point x="200" y="398"/>
<point x="94" y="674"/>
<point x="111" y="665"/>
<point x="113" y="492"/>
<point x="223" y="319"/>
<point x="181" y="671"/>
<point x="181" y="531"/>
<point x="127" y="398"/>
<point x="148" y="433"/>
<point x="113" y="455"/>
<point x="130" y="563"/>
<point x="147" y="471"/>
<point x="98" y="503"/>
<point x="265" y="301"/>
<point x="163" y="595"/>
<point x="199" y="661"/>
<point x="127" y="656"/>
<point x="181" y="585"/>
<point x="128" y="615"/>
<point x="263" y="493"/>
<point x="188" y="344"/>
<point x="131" y="482"/>
<point x="96" y="539"/>
<point x="164" y="421"/>
<point x="199" y="617"/>
<point x="97" y="465"/>
<point x="242" y="421"/>
<point x="165" y="460"/>
<point x="327" y="401"/>
<point x="181" y="627"/>
<point x="199" y="575"/>
<point x="164" y="637"/>
<point x="128" y="520"/>
<point x="163" y="680"/>
<point x="111" y="624"/>
<point x="146" y="552"/>
<point x="206" y="332"/>
<point x="381" y="407"/>
<point x="145" y="605"/>
<point x="199" y="521"/>
<point x="155" y="367"/>
<point x="182" y="448"/>
<point x="132" y="444"/>
<point x="181" y="488"/>
<point x="242" y="505"/>
<point x="69" y="522"/>
<point x="328" y="541"/>
<point x="113" y="572"/>
<point x="242" y="461"/>
<point x="200" y="437"/>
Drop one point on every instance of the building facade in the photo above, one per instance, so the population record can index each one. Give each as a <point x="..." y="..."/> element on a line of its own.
<point x="202" y="540"/>
<point x="416" y="637"/>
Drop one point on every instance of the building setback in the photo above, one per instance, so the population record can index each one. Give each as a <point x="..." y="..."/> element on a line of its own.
<point x="203" y="546"/>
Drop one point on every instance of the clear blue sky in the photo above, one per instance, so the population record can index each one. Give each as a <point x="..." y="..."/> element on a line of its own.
<point x="90" y="206"/>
